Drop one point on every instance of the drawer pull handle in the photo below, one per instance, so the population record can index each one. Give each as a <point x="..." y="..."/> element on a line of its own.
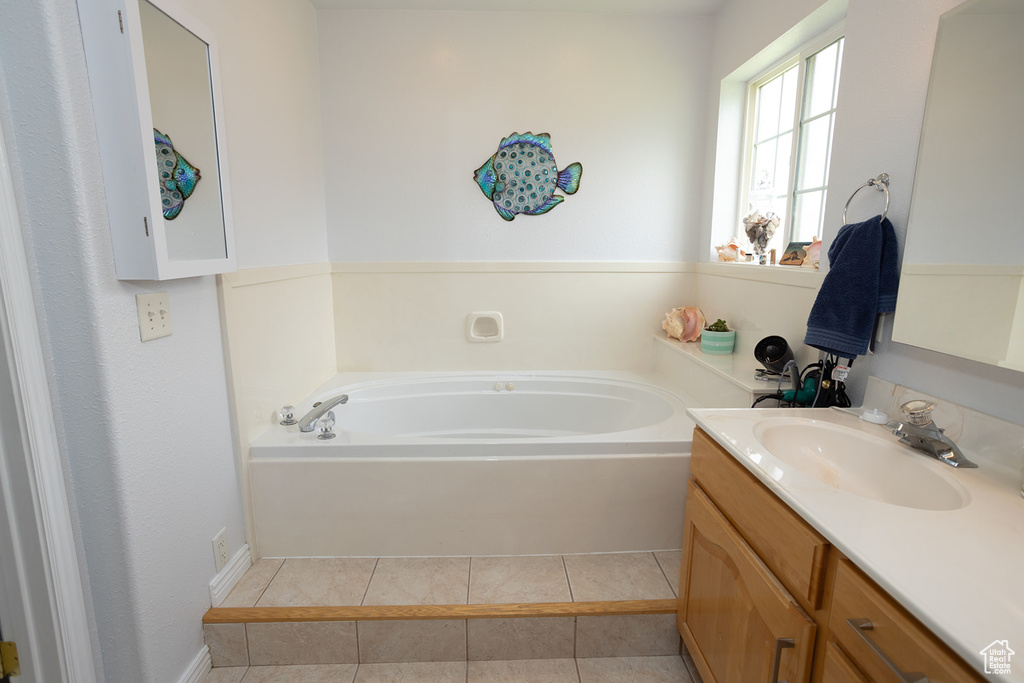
<point x="861" y="627"/>
<point x="780" y="645"/>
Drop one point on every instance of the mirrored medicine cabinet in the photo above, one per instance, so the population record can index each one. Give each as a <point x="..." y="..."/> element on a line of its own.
<point x="154" y="74"/>
<point x="962" y="283"/>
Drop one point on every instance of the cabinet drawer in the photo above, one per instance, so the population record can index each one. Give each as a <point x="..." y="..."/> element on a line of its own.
<point x="795" y="552"/>
<point x="883" y="639"/>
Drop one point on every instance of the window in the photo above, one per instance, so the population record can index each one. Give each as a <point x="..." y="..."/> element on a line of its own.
<point x="790" y="119"/>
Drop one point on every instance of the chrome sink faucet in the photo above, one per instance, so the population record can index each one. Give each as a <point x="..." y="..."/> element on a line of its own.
<point x="320" y="408"/>
<point x="918" y="431"/>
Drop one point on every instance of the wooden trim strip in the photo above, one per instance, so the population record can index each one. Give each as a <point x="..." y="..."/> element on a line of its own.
<point x="256" y="615"/>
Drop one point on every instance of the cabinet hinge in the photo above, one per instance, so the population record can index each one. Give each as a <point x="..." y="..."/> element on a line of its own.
<point x="120" y="21"/>
<point x="145" y="224"/>
<point x="9" y="659"/>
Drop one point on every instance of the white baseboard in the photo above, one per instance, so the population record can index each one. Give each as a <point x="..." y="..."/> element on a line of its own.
<point x="228" y="576"/>
<point x="199" y="668"/>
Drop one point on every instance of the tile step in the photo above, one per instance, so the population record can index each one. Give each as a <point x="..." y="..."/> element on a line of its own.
<point x="661" y="669"/>
<point x="280" y="636"/>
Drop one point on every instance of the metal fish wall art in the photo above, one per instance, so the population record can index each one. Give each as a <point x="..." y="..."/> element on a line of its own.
<point x="178" y="178"/>
<point x="521" y="177"/>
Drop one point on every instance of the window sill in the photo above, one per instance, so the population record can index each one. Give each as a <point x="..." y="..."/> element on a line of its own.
<point x="780" y="275"/>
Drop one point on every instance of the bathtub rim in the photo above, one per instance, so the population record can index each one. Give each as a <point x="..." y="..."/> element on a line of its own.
<point x="672" y="435"/>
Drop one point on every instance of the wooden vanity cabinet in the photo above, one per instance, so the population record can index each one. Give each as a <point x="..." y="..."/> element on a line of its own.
<point x="760" y="588"/>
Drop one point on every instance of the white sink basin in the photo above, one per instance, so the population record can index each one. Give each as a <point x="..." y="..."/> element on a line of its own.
<point x="861" y="464"/>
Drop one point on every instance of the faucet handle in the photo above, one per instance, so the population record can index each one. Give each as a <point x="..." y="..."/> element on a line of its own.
<point x="918" y="411"/>
<point x="326" y="426"/>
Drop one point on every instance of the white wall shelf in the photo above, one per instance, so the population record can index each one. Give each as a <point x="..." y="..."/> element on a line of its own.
<point x="714" y="381"/>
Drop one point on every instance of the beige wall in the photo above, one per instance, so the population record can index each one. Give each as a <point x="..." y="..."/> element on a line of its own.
<point x="758" y="302"/>
<point x="278" y="328"/>
<point x="564" y="316"/>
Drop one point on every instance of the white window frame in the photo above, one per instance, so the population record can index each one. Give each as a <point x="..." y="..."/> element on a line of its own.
<point x="798" y="58"/>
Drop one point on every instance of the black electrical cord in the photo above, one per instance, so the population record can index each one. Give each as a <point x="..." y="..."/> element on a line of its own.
<point x="778" y="396"/>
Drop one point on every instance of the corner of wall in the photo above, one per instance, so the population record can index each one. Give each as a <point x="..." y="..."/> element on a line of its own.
<point x="278" y="329"/>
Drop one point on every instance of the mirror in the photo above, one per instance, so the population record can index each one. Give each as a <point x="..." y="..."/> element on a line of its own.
<point x="181" y="99"/>
<point x="962" y="284"/>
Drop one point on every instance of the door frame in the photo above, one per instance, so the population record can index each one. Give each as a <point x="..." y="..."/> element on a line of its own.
<point x="40" y="526"/>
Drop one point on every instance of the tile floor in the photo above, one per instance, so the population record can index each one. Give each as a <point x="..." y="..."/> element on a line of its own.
<point x="457" y="580"/>
<point x="668" y="669"/>
<point x="612" y="648"/>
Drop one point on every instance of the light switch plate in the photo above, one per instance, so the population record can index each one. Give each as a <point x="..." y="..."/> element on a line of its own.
<point x="154" y="315"/>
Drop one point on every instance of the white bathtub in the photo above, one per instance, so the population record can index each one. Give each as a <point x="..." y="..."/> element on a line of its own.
<point x="477" y="464"/>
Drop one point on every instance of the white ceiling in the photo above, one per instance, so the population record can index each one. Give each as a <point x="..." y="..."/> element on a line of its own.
<point x="606" y="6"/>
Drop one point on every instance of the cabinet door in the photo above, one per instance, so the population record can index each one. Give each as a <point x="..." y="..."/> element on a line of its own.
<point x="738" y="622"/>
<point x="838" y="667"/>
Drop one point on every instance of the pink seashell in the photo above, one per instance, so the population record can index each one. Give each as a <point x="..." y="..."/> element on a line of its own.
<point x="684" y="323"/>
<point x="813" y="253"/>
<point x="730" y="251"/>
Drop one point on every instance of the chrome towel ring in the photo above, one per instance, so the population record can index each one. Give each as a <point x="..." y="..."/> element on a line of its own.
<point x="881" y="182"/>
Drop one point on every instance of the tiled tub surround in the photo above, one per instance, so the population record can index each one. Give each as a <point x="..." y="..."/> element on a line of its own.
<point x="543" y="463"/>
<point x="327" y="582"/>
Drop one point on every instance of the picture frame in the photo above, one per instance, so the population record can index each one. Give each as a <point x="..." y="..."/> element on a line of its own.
<point x="794" y="254"/>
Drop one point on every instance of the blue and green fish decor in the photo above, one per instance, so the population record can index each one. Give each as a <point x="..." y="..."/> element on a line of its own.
<point x="178" y="178"/>
<point x="521" y="177"/>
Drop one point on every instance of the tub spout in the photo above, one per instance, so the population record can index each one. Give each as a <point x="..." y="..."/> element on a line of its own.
<point x="320" y="408"/>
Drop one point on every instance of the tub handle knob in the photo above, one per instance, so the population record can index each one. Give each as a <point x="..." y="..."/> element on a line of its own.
<point x="287" y="416"/>
<point x="326" y="426"/>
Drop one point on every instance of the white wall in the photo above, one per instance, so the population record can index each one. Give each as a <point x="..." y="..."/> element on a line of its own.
<point x="145" y="427"/>
<point x="414" y="102"/>
<point x="884" y="81"/>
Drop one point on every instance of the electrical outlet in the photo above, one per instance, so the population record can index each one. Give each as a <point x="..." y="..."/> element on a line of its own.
<point x="154" y="315"/>
<point x="220" y="549"/>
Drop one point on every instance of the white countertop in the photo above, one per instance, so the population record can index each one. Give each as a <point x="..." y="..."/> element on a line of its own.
<point x="960" y="572"/>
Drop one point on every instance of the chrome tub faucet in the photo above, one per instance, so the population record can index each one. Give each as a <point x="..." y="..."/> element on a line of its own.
<point x="920" y="432"/>
<point x="320" y="408"/>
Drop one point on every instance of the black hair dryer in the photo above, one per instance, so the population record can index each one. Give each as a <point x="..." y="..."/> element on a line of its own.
<point x="773" y="353"/>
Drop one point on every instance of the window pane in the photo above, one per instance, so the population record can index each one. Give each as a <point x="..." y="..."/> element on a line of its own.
<point x="789" y="99"/>
<point x="785" y="147"/>
<point x="763" y="178"/>
<point x="814" y="144"/>
<point x="768" y="97"/>
<point x="820" y="80"/>
<point x="835" y="89"/>
<point x="807" y="215"/>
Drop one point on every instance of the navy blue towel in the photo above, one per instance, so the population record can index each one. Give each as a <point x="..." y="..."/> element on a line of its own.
<point x="861" y="283"/>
